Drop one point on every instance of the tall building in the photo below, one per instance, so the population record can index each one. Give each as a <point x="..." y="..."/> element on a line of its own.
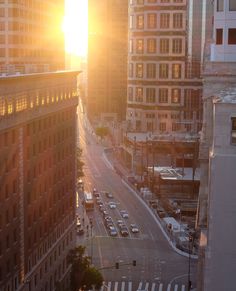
<point x="163" y="97"/>
<point x="107" y="59"/>
<point x="216" y="211"/>
<point x="31" y="38"/>
<point x="37" y="148"/>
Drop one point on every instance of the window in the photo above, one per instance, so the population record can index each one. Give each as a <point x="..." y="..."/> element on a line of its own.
<point x="220" y="5"/>
<point x="152" y="1"/>
<point x="140" y="21"/>
<point x="165" y="1"/>
<point x="175" y="126"/>
<point x="162" y="126"/>
<point x="150" y="95"/>
<point x="178" y="1"/>
<point x="131" y="20"/>
<point x="151" y="70"/>
<point x="163" y="71"/>
<point x="232" y="36"/>
<point x="151" y="45"/>
<point x="219" y="36"/>
<point x="163" y="95"/>
<point x="177" y="20"/>
<point x="232" y="5"/>
<point x="139" y="1"/>
<point x="139" y="94"/>
<point x="164" y="45"/>
<point x="130" y="70"/>
<point x="164" y="20"/>
<point x="233" y="130"/>
<point x="139" y="70"/>
<point x="139" y="46"/>
<point x="177" y="46"/>
<point x="151" y="20"/>
<point x="131" y="46"/>
<point x="175" y="95"/>
<point x="176" y="71"/>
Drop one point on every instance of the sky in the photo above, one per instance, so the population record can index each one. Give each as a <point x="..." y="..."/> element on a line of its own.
<point x="75" y="26"/>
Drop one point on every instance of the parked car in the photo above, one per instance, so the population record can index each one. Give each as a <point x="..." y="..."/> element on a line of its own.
<point x="124" y="214"/>
<point x="124" y="231"/>
<point x="120" y="223"/>
<point x="78" y="222"/>
<point x="112" y="231"/>
<point x="112" y="205"/>
<point x="108" y="194"/>
<point x="134" y="228"/>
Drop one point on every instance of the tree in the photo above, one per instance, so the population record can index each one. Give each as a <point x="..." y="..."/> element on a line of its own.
<point x="83" y="276"/>
<point x="102" y="131"/>
<point x="79" y="163"/>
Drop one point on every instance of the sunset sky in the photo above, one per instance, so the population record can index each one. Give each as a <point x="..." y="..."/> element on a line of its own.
<point x="75" y="26"/>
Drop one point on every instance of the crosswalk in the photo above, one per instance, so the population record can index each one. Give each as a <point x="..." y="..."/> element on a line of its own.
<point x="141" y="286"/>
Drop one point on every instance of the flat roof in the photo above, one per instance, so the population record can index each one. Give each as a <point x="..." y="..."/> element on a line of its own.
<point x="169" y="173"/>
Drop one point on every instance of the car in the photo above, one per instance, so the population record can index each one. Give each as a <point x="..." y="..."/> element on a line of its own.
<point x="112" y="205"/>
<point x="96" y="193"/>
<point x="102" y="208"/>
<point x="108" y="218"/>
<point x="124" y="231"/>
<point x="99" y="202"/>
<point x="109" y="224"/>
<point x="112" y="231"/>
<point x="134" y="228"/>
<point x="120" y="223"/>
<point x="124" y="214"/>
<point x="105" y="213"/>
<point x="108" y="194"/>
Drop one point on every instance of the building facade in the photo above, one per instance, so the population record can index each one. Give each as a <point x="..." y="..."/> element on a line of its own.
<point x="163" y="95"/>
<point x="217" y="155"/>
<point x="31" y="38"/>
<point x="107" y="59"/>
<point x="37" y="173"/>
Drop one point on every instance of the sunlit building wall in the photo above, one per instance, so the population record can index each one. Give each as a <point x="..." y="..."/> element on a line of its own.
<point x="164" y="92"/>
<point x="37" y="179"/>
<point x="216" y="210"/>
<point x="31" y="37"/>
<point x="107" y="58"/>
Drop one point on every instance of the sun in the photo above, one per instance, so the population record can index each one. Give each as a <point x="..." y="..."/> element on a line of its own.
<point x="75" y="27"/>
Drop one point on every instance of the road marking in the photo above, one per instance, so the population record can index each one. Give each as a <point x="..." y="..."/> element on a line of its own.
<point x="160" y="287"/>
<point x="122" y="286"/>
<point x="146" y="286"/>
<point x="140" y="286"/>
<point x="153" y="286"/>
<point x="109" y="286"/>
<point x="116" y="286"/>
<point x="130" y="286"/>
<point x="176" y="287"/>
<point x="168" y="287"/>
<point x="183" y="288"/>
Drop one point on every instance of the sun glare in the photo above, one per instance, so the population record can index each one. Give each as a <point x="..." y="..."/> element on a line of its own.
<point x="75" y="27"/>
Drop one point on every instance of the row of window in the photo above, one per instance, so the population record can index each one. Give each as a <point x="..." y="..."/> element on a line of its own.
<point x="23" y="102"/>
<point x="137" y="95"/>
<point x="165" y="71"/>
<point x="140" y="2"/>
<point x="220" y="5"/>
<point x="165" y="126"/>
<point x="157" y="45"/>
<point x="231" y="36"/>
<point x="157" y="20"/>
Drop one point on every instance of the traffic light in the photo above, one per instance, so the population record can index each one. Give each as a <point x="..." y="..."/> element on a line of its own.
<point x="134" y="262"/>
<point x="117" y="265"/>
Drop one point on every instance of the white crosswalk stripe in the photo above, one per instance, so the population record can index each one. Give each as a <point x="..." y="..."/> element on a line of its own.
<point x="147" y="286"/>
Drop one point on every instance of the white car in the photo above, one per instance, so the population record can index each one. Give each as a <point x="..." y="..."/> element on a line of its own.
<point x="134" y="228"/>
<point x="112" y="205"/>
<point x="124" y="214"/>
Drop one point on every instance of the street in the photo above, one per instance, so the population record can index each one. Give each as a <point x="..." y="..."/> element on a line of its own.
<point x="156" y="262"/>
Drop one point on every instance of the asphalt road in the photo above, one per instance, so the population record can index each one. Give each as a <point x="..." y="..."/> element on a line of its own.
<point x="155" y="260"/>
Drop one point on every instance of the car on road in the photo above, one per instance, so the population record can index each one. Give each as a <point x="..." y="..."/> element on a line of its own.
<point x="96" y="193"/>
<point x="78" y="222"/>
<point x="124" y="231"/>
<point x="113" y="231"/>
<point x="105" y="213"/>
<point x="124" y="214"/>
<point x="109" y="194"/>
<point x="109" y="224"/>
<point x="112" y="205"/>
<point x="134" y="228"/>
<point x="120" y="223"/>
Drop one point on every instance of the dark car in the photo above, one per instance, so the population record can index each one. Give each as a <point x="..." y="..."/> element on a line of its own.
<point x="124" y="231"/>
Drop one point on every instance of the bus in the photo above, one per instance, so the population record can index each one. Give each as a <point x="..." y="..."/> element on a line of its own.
<point x="88" y="201"/>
